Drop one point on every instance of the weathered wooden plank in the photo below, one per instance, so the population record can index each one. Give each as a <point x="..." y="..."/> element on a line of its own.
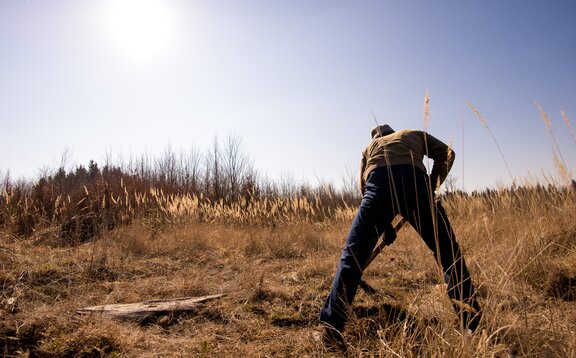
<point x="141" y="310"/>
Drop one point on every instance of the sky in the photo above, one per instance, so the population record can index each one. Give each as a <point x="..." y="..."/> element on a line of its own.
<point x="301" y="82"/>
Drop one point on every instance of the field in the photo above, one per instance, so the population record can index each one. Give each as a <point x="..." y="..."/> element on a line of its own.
<point x="274" y="259"/>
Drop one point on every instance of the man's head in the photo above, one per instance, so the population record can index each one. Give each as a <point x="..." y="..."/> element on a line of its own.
<point x="381" y="130"/>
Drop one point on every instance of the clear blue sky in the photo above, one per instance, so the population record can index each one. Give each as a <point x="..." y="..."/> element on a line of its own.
<point x="297" y="80"/>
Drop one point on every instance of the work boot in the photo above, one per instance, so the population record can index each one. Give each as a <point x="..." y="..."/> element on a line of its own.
<point x="471" y="320"/>
<point x="330" y="338"/>
<point x="469" y="314"/>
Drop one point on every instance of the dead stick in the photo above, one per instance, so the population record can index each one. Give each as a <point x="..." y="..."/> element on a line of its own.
<point x="377" y="250"/>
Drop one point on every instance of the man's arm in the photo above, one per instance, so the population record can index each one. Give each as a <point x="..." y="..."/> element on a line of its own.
<point x="362" y="168"/>
<point x="443" y="157"/>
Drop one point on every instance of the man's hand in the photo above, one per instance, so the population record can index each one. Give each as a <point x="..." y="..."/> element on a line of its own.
<point x="389" y="234"/>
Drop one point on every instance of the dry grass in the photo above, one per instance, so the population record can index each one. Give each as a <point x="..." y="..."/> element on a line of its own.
<point x="520" y="246"/>
<point x="485" y="125"/>
<point x="558" y="159"/>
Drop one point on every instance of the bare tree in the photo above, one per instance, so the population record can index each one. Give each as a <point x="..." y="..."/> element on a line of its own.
<point x="235" y="165"/>
<point x="144" y="170"/>
<point x="450" y="184"/>
<point x="287" y="185"/>
<point x="212" y="181"/>
<point x="190" y="170"/>
<point x="5" y="181"/>
<point x="350" y="189"/>
<point x="166" y="167"/>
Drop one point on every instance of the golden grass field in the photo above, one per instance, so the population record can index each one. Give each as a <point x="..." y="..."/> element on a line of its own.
<point x="520" y="246"/>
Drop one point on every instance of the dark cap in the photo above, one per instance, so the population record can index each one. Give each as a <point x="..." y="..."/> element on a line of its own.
<point x="381" y="130"/>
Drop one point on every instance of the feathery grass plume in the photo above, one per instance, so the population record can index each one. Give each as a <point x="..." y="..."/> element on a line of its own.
<point x="426" y="110"/>
<point x="568" y="124"/>
<point x="426" y="118"/>
<point x="374" y="117"/>
<point x="462" y="156"/>
<point x="485" y="125"/>
<point x="558" y="159"/>
<point x="432" y="187"/>
<point x="480" y="117"/>
<point x="545" y="119"/>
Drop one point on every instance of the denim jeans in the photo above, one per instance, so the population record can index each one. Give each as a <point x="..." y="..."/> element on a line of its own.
<point x="402" y="190"/>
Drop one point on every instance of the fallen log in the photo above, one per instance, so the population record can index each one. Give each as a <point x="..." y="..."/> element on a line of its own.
<point x="140" y="311"/>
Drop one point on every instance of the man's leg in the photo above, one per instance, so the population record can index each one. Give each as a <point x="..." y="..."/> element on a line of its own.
<point x="370" y="221"/>
<point x="431" y="222"/>
<point x="460" y="287"/>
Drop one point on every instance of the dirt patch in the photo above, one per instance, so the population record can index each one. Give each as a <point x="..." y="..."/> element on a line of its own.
<point x="101" y="273"/>
<point x="370" y="324"/>
<point x="562" y="243"/>
<point x="385" y="313"/>
<point x="372" y="320"/>
<point x="280" y="320"/>
<point x="533" y="342"/>
<point x="561" y="284"/>
<point x="90" y="346"/>
<point x="43" y="277"/>
<point x="18" y="339"/>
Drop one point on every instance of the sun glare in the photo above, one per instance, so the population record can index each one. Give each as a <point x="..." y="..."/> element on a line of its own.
<point x="141" y="28"/>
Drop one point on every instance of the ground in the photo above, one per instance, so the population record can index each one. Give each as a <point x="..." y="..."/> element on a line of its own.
<point x="275" y="278"/>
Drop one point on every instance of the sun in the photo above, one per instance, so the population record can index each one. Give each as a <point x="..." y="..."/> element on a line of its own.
<point x="143" y="29"/>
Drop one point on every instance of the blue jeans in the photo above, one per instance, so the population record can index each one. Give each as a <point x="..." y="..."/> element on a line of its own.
<point x="402" y="190"/>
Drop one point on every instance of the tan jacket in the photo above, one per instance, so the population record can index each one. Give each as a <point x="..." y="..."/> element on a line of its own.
<point x="407" y="147"/>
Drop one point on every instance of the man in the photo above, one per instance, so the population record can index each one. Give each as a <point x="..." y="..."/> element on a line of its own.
<point x="394" y="182"/>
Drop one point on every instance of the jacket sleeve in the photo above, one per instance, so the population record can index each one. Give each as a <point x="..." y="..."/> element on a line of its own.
<point x="443" y="157"/>
<point x="362" y="168"/>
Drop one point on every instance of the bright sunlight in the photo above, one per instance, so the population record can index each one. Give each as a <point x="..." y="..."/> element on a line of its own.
<point x="143" y="29"/>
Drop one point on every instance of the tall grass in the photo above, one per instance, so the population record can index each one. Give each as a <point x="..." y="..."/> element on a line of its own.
<point x="485" y="125"/>
<point x="78" y="204"/>
<point x="190" y="225"/>
<point x="520" y="244"/>
<point x="558" y="159"/>
<point x="568" y="124"/>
